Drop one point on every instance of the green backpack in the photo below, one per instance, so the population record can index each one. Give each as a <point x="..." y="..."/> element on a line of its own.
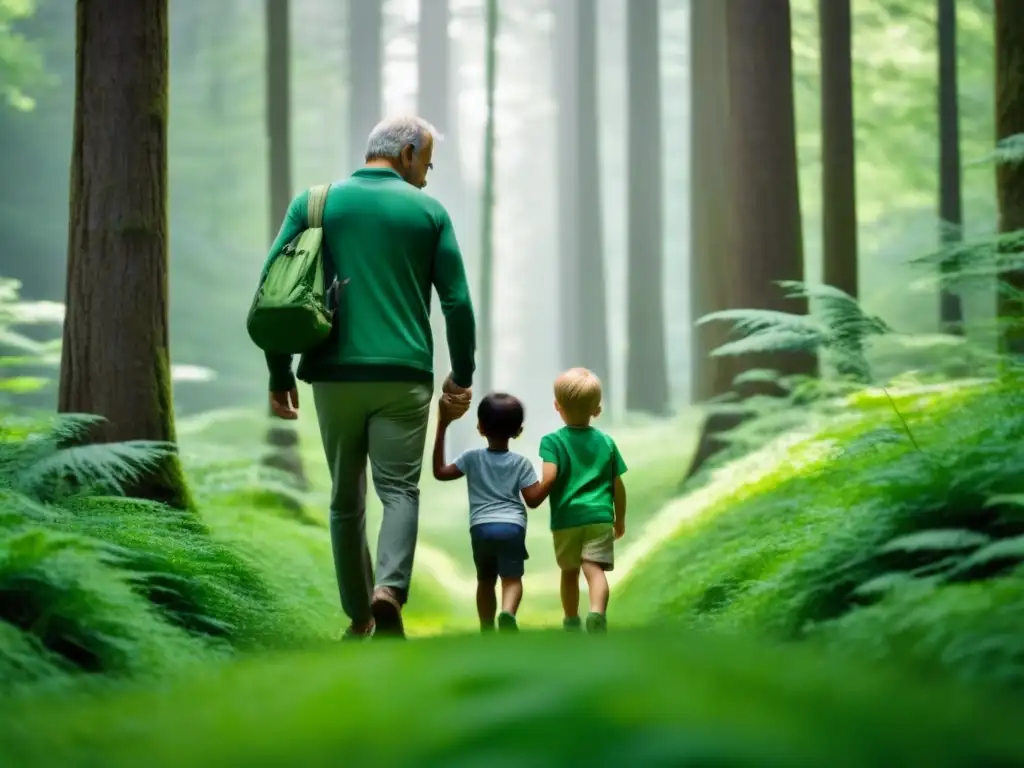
<point x="289" y="314"/>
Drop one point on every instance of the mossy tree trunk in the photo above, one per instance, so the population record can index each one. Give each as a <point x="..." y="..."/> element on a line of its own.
<point x="282" y="438"/>
<point x="116" y="359"/>
<point x="1009" y="21"/>
<point x="763" y="241"/>
<point x="951" y="312"/>
<point x="647" y="389"/>
<point x="584" y="322"/>
<point x="365" y="75"/>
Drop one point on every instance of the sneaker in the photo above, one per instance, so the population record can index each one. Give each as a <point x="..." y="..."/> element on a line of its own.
<point x="354" y="634"/>
<point x="387" y="613"/>
<point x="597" y="624"/>
<point x="507" y="622"/>
<point x="571" y="624"/>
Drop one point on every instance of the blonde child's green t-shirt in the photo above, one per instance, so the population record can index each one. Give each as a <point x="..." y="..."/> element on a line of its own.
<point x="588" y="462"/>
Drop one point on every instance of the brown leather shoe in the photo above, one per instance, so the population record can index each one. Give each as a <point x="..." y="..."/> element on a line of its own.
<point x="387" y="613"/>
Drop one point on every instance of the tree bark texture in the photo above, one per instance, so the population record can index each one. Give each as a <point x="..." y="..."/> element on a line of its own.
<point x="762" y="242"/>
<point x="951" y="313"/>
<point x="365" y="74"/>
<point x="116" y="360"/>
<point x="647" y="388"/>
<point x="1009" y="21"/>
<point x="838" y="166"/>
<point x="765" y="235"/>
<point x="710" y="263"/>
<point x="584" y="323"/>
<point x="282" y="438"/>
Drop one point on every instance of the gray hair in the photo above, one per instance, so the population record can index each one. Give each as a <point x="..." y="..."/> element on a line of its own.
<point x="390" y="136"/>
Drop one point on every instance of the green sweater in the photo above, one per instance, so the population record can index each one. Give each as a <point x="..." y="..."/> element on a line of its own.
<point x="392" y="242"/>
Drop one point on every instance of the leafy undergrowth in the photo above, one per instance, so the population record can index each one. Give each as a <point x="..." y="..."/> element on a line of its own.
<point x="867" y="541"/>
<point x="95" y="584"/>
<point x="538" y="699"/>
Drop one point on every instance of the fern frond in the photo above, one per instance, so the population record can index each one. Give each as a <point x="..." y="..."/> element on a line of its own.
<point x="774" y="340"/>
<point x="755" y="320"/>
<point x="936" y="540"/>
<point x="100" y="467"/>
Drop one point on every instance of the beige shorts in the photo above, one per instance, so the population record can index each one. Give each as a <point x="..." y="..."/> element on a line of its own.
<point x="593" y="543"/>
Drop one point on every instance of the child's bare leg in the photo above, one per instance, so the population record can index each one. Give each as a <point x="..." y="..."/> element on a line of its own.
<point x="511" y="594"/>
<point x="570" y="592"/>
<point x="486" y="603"/>
<point x="597" y="586"/>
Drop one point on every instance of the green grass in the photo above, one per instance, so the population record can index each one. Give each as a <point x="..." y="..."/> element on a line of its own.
<point x="808" y="541"/>
<point x="539" y="699"/>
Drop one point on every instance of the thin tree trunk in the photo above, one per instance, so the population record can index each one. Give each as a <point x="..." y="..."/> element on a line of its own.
<point x="115" y="360"/>
<point x="485" y="344"/>
<point x="838" y="163"/>
<point x="1009" y="22"/>
<point x="282" y="439"/>
<point x="647" y="388"/>
<point x="365" y="75"/>
<point x="951" y="313"/>
<point x="435" y="103"/>
<point x="583" y="322"/>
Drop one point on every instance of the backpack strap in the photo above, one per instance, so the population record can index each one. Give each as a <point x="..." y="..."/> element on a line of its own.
<point x="315" y="202"/>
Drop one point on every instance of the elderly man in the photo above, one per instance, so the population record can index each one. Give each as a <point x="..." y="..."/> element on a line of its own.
<point x="373" y="378"/>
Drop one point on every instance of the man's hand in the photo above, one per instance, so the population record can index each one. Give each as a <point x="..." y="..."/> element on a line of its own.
<point x="620" y="528"/>
<point x="451" y="388"/>
<point x="455" y="400"/>
<point x="285" y="405"/>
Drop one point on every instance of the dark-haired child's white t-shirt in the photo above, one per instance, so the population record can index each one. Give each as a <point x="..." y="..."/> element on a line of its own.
<point x="494" y="480"/>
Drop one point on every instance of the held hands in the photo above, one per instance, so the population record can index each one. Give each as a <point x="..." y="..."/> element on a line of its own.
<point x="454" y="401"/>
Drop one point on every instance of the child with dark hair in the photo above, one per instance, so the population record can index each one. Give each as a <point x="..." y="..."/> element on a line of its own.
<point x="496" y="478"/>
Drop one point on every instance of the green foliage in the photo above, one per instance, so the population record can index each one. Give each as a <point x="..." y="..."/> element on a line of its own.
<point x="97" y="583"/>
<point x="21" y="62"/>
<point x="858" y="529"/>
<point x="641" y="699"/>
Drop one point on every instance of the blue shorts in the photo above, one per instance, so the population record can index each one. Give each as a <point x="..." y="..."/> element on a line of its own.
<point x="499" y="550"/>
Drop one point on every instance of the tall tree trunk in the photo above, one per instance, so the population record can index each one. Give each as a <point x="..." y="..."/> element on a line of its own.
<point x="365" y="74"/>
<point x="584" y="323"/>
<point x="115" y="360"/>
<point x="282" y="439"/>
<point x="951" y="313"/>
<point x="647" y="388"/>
<point x="711" y="264"/>
<point x="1009" y="21"/>
<point x="435" y="103"/>
<point x="764" y="238"/>
<point x="485" y="342"/>
<point x="838" y="164"/>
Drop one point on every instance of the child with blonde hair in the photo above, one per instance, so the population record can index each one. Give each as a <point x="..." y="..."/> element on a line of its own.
<point x="583" y="470"/>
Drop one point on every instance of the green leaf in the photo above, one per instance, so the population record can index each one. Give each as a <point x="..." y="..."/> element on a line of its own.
<point x="935" y="540"/>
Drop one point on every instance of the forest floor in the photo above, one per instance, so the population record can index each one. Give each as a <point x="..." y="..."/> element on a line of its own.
<point x="773" y="546"/>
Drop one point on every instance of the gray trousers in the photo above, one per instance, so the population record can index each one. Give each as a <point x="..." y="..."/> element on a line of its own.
<point x="385" y="422"/>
